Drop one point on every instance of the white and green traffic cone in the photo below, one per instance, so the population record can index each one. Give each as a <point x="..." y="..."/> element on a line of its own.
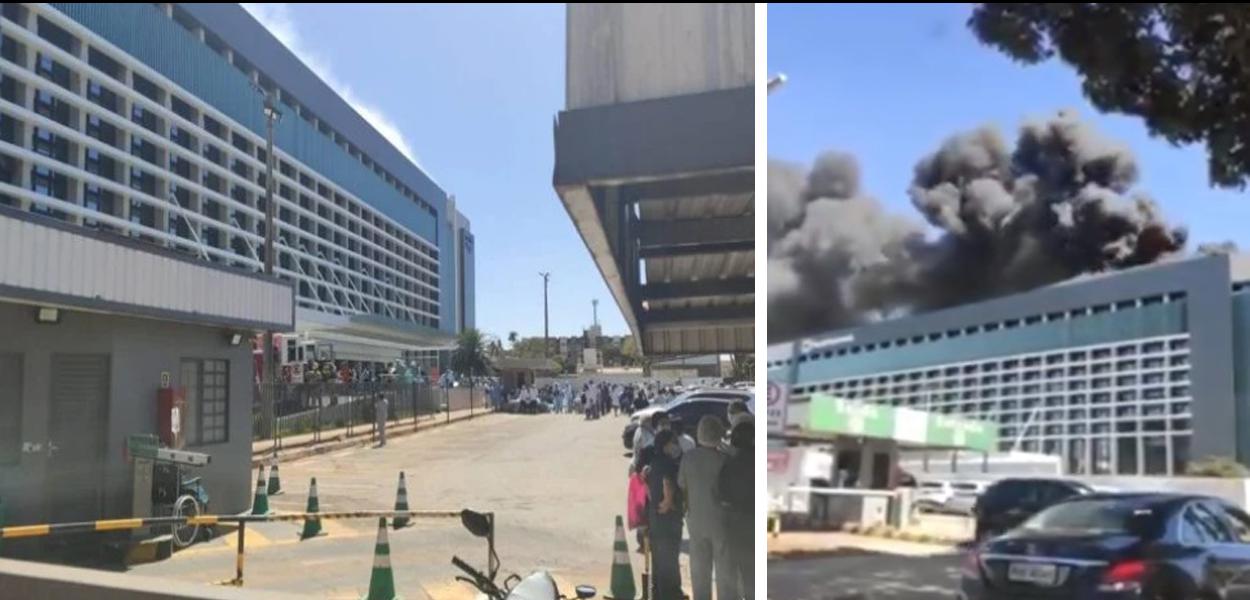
<point x="401" y="503"/>
<point x="381" y="580"/>
<point x="275" y="484"/>
<point x="622" y="573"/>
<point x="260" y="501"/>
<point x="312" y="526"/>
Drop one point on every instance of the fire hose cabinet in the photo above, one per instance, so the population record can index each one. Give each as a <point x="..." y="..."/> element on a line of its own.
<point x="171" y="415"/>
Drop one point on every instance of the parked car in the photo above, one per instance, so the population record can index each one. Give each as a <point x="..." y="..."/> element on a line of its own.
<point x="686" y="409"/>
<point x="931" y="495"/>
<point x="947" y="497"/>
<point x="1148" y="546"/>
<point x="964" y="496"/>
<point x="1009" y="502"/>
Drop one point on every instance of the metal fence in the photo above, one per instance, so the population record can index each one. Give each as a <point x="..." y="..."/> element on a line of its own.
<point x="303" y="408"/>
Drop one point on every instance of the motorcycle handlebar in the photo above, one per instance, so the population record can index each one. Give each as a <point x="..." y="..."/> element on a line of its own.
<point x="467" y="568"/>
<point x="480" y="581"/>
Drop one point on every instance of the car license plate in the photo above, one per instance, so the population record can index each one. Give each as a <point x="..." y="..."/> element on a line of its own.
<point x="1035" y="573"/>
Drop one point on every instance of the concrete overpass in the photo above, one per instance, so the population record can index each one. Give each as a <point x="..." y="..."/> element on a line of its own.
<point x="655" y="165"/>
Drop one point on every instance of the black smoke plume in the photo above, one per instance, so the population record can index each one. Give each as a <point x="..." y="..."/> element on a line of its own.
<point x="1057" y="205"/>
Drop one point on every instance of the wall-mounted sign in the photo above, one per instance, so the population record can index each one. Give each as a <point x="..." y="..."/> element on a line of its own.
<point x="778" y="396"/>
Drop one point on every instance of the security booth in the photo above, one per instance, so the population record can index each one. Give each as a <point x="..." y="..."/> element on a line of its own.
<point x="516" y="373"/>
<point x="134" y="339"/>
<point x="838" y="460"/>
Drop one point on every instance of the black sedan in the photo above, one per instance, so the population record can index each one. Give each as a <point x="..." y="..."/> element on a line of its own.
<point x="1117" y="546"/>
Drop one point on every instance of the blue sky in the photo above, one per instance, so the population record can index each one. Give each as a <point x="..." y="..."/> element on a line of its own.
<point x="471" y="92"/>
<point x="889" y="83"/>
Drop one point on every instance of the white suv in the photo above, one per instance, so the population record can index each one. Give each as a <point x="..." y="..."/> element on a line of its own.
<point x="689" y="407"/>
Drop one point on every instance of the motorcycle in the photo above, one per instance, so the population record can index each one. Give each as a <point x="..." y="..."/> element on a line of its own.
<point x="538" y="585"/>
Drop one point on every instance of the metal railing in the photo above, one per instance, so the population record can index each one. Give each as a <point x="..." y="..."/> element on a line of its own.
<point x="316" y="408"/>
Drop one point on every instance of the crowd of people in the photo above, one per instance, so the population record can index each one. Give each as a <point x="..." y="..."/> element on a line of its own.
<point x="592" y="399"/>
<point x="329" y="371"/>
<point x="698" y="480"/>
<point x="705" y="484"/>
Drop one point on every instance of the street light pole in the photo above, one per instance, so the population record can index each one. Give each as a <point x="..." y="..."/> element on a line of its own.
<point x="776" y="82"/>
<point x="546" y="343"/>
<point x="270" y="375"/>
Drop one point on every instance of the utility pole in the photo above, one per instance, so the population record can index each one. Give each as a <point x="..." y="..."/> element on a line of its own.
<point x="270" y="376"/>
<point x="546" y="343"/>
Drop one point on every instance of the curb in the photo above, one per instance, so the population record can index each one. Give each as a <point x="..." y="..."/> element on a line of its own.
<point x="876" y="531"/>
<point x="265" y="457"/>
<point x="902" y="535"/>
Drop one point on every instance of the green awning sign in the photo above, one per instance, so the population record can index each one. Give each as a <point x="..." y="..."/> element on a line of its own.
<point x="852" y="418"/>
<point x="960" y="433"/>
<point x="829" y="414"/>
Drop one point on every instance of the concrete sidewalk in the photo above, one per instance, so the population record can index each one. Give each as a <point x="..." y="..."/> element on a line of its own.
<point x="328" y="440"/>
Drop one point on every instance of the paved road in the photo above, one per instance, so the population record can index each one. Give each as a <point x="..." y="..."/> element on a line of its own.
<point x="862" y="575"/>
<point x="555" y="482"/>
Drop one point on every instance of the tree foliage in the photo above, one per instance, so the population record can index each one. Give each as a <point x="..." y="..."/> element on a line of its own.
<point x="469" y="358"/>
<point x="1183" y="68"/>
<point x="1216" y="466"/>
<point x="742" y="365"/>
<point x="530" y="347"/>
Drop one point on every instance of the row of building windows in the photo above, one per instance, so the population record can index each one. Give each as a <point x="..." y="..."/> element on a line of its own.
<point x="1107" y="366"/>
<point x="68" y="42"/>
<point x="1013" y="323"/>
<point x="349" y="212"/>
<point x="373" y="267"/>
<point x="1163" y="454"/>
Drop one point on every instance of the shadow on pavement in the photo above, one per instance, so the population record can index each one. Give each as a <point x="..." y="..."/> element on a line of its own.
<point x="854" y="574"/>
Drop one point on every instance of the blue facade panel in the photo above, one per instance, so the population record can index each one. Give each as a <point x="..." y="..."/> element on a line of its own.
<point x="1144" y="321"/>
<point x="447" y="277"/>
<point x="470" y="308"/>
<point x="1241" y="371"/>
<point x="144" y="32"/>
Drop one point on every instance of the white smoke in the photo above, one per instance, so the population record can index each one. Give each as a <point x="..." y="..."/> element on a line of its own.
<point x="277" y="19"/>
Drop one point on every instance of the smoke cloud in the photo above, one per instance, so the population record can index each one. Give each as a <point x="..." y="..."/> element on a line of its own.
<point x="1001" y="220"/>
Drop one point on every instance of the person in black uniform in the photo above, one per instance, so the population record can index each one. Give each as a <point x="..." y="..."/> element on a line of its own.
<point x="664" y="517"/>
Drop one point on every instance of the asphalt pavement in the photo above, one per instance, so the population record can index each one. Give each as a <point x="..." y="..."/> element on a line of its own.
<point x="856" y="574"/>
<point x="555" y="483"/>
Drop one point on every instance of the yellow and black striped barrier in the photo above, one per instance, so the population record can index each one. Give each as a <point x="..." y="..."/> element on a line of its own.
<point x="24" y="531"/>
<point x="46" y="529"/>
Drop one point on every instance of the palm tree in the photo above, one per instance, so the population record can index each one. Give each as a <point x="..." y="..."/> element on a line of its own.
<point x="494" y="348"/>
<point x="512" y="338"/>
<point x="470" y="358"/>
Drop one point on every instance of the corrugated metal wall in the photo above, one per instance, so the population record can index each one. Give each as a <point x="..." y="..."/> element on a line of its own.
<point x="49" y="260"/>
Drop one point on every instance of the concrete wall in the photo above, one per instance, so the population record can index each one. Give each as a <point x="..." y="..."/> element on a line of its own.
<point x="628" y="52"/>
<point x="140" y="350"/>
<point x="459" y="398"/>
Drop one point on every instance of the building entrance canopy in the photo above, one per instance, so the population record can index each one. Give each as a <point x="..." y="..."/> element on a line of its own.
<point x="830" y="416"/>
